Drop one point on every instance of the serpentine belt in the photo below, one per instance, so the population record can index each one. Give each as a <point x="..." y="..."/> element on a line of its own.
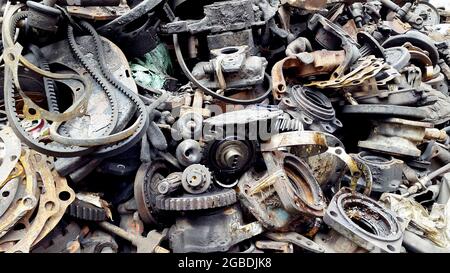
<point x="134" y="132"/>
<point x="92" y="72"/>
<point x="100" y="58"/>
<point x="49" y="84"/>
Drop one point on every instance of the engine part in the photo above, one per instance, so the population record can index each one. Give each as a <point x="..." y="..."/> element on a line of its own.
<point x="134" y="27"/>
<point x="364" y="221"/>
<point x="386" y="171"/>
<point x="26" y="198"/>
<point x="98" y="242"/>
<point x="98" y="13"/>
<point x="148" y="244"/>
<point x="252" y="124"/>
<point x="86" y="211"/>
<point x="313" y="108"/>
<point x="214" y="154"/>
<point x="365" y="69"/>
<point x="333" y="242"/>
<point x="229" y="158"/>
<point x="189" y="152"/>
<point x="303" y="65"/>
<point x="369" y="46"/>
<point x="231" y="68"/>
<point x="399" y="136"/>
<point x="284" y="193"/>
<point x="79" y="107"/>
<point x="398" y="56"/>
<point x="217" y="231"/>
<point x="329" y="35"/>
<point x="417" y="39"/>
<point x="385" y="110"/>
<point x="54" y="197"/>
<point x="42" y="16"/>
<point x="196" y="179"/>
<point x="310" y="143"/>
<point x="145" y="189"/>
<point x="427" y="12"/>
<point x="208" y="200"/>
<point x="283" y="247"/>
<point x="171" y="183"/>
<point x="60" y="241"/>
<point x="220" y="17"/>
<point x="11" y="153"/>
<point x="404" y="12"/>
<point x="296" y="239"/>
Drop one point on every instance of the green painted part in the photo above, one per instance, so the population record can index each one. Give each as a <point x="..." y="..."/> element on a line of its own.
<point x="152" y="69"/>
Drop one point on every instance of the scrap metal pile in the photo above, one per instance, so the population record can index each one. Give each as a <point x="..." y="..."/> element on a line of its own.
<point x="252" y="126"/>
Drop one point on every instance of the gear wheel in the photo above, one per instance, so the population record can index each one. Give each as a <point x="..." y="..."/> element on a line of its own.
<point x="85" y="211"/>
<point x="208" y="200"/>
<point x="196" y="179"/>
<point x="229" y="158"/>
<point x="286" y="124"/>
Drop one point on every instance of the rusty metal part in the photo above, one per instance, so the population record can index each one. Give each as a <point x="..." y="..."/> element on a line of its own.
<point x="364" y="221"/>
<point x="231" y="68"/>
<point x="220" y="17"/>
<point x="60" y="241"/>
<point x="148" y="244"/>
<point x="333" y="242"/>
<point x="399" y="136"/>
<point x="312" y="107"/>
<point x="11" y="153"/>
<point x="417" y="39"/>
<point x="283" y="247"/>
<point x="357" y="168"/>
<point x="303" y="65"/>
<point x="386" y="171"/>
<point x="196" y="179"/>
<point x="145" y="187"/>
<point x="324" y="166"/>
<point x="25" y="200"/>
<point x="30" y="109"/>
<point x="283" y="194"/>
<point x="296" y="239"/>
<point x="365" y="69"/>
<point x="217" y="231"/>
<point x="329" y="34"/>
<point x="98" y="13"/>
<point x="420" y="57"/>
<point x="98" y="242"/>
<point x="187" y="202"/>
<point x="7" y="194"/>
<point x="65" y="197"/>
<point x="48" y="204"/>
<point x="310" y="143"/>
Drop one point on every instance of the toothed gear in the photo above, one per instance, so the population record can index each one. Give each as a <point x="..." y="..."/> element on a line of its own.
<point x="85" y="211"/>
<point x="287" y="124"/>
<point x="186" y="202"/>
<point x="196" y="179"/>
<point x="228" y="158"/>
